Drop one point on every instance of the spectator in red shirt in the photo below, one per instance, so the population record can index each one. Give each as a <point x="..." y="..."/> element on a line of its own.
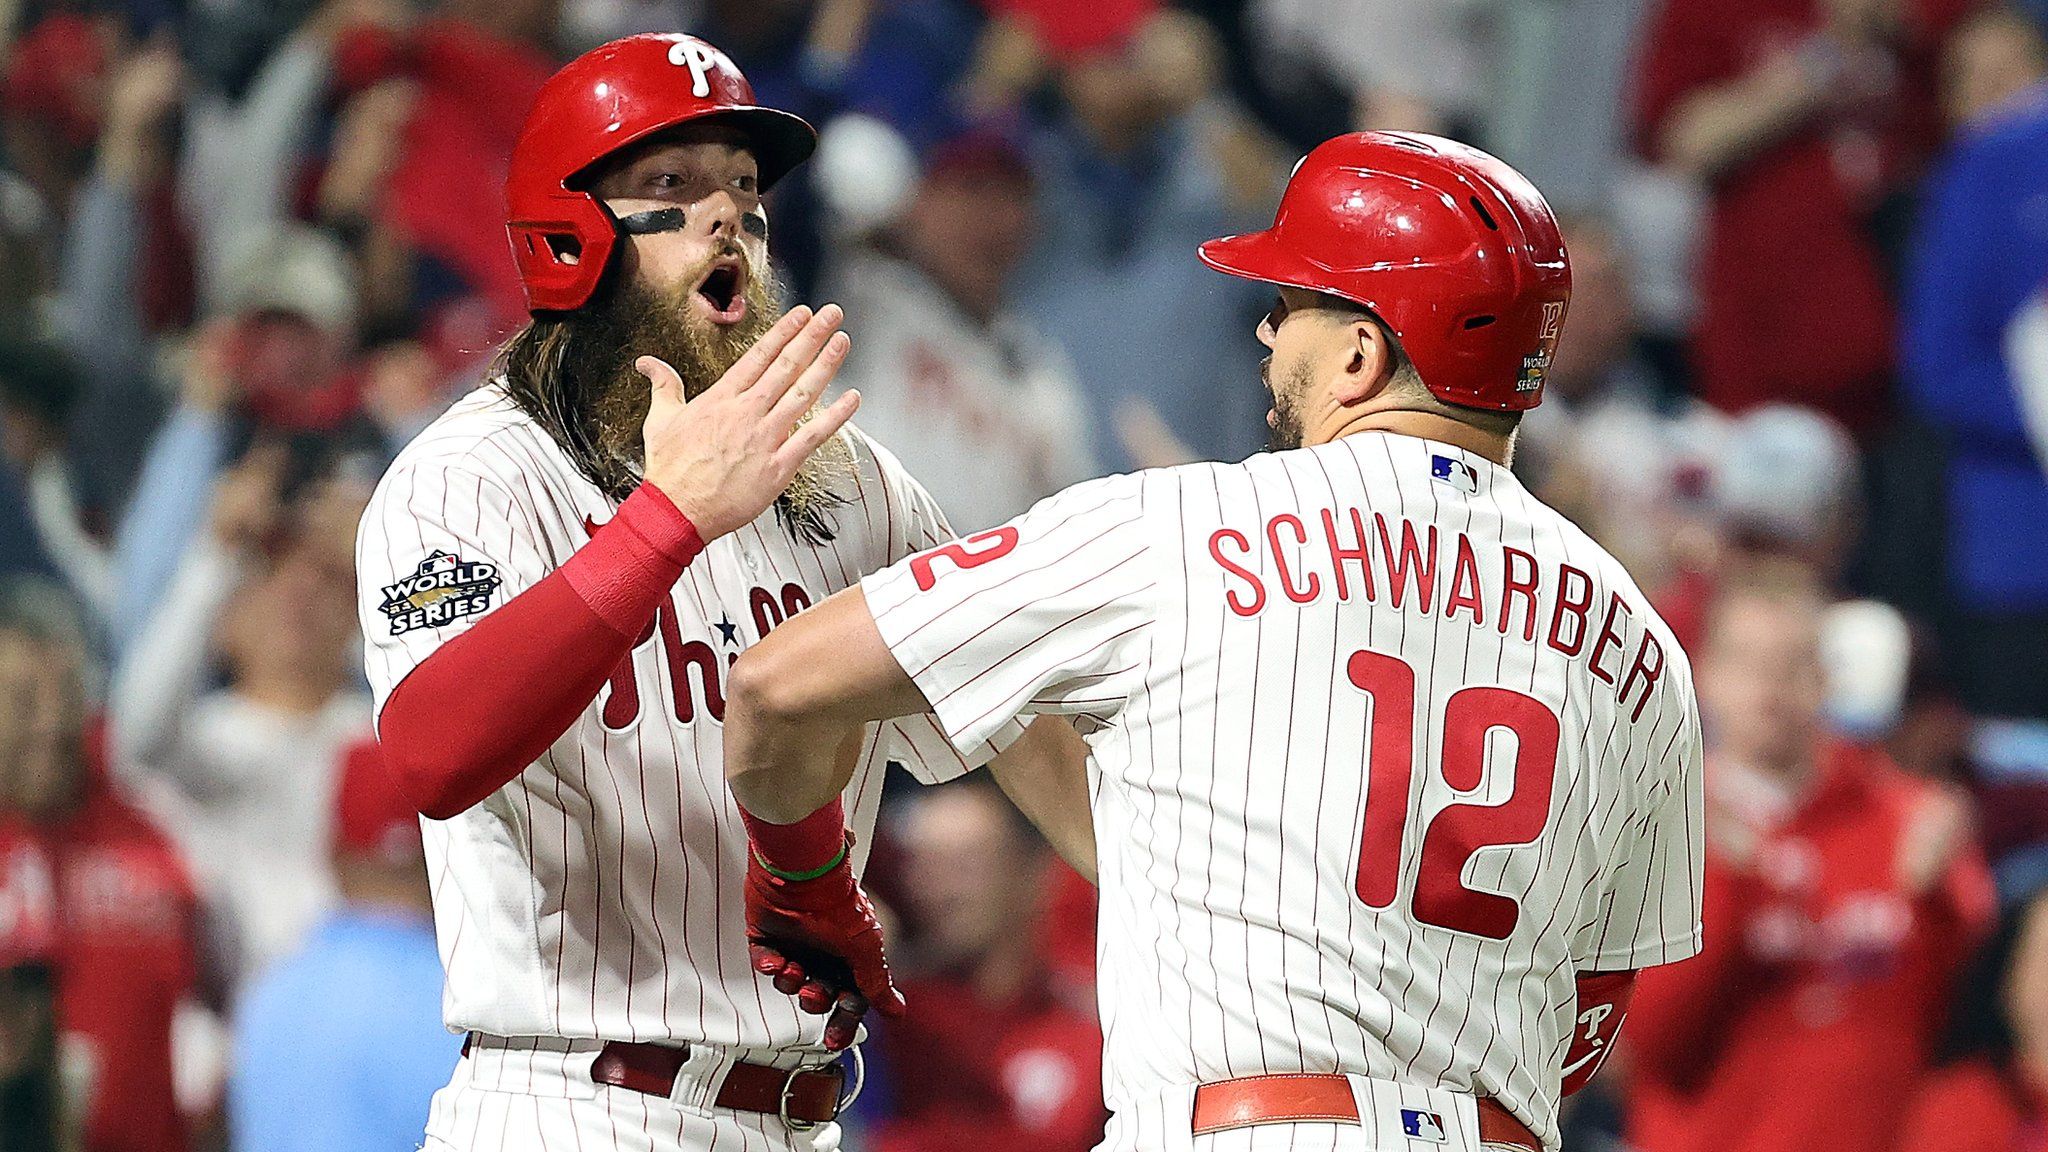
<point x="126" y="910"/>
<point x="472" y="71"/>
<point x="1804" y="119"/>
<point x="1840" y="895"/>
<point x="1995" y="1099"/>
<point x="31" y="1096"/>
<point x="991" y="1057"/>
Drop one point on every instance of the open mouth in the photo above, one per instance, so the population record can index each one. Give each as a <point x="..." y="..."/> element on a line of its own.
<point x="723" y="290"/>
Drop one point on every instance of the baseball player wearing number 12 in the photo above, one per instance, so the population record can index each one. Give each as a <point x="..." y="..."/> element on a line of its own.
<point x="1396" y="775"/>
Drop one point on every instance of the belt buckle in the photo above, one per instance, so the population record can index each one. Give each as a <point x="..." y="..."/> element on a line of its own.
<point x="860" y="1081"/>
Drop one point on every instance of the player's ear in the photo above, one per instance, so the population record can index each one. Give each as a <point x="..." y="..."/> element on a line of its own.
<point x="1369" y="362"/>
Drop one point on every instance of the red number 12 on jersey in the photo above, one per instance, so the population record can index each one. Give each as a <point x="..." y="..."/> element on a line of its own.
<point x="1462" y="829"/>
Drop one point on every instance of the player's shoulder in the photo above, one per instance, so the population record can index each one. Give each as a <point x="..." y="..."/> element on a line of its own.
<point x="872" y="460"/>
<point x="484" y="436"/>
<point x="880" y="481"/>
<point x="1610" y="577"/>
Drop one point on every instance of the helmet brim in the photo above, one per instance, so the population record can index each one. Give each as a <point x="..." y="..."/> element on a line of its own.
<point x="1261" y="256"/>
<point x="779" y="140"/>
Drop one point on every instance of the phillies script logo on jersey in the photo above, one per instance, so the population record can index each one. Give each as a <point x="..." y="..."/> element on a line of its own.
<point x="444" y="588"/>
<point x="696" y="668"/>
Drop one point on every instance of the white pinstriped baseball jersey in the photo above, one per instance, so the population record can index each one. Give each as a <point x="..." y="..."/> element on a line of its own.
<point x="597" y="895"/>
<point x="1384" y="751"/>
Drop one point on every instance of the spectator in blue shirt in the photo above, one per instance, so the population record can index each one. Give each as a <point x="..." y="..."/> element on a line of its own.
<point x="1981" y="252"/>
<point x="1145" y="159"/>
<point x="340" y="1047"/>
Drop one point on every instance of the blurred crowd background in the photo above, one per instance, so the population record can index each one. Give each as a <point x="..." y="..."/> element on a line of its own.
<point x="249" y="247"/>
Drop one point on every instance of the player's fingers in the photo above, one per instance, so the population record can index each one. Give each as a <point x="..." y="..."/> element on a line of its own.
<point x="873" y="980"/>
<point x="815" y="431"/>
<point x="786" y="974"/>
<point x="811" y="384"/>
<point x="666" y="383"/>
<point x="797" y="356"/>
<point x="815" y="998"/>
<point x="790" y="980"/>
<point x="748" y="367"/>
<point x="767" y="960"/>
<point x="844" y="1024"/>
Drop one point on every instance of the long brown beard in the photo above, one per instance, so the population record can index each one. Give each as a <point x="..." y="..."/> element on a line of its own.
<point x="575" y="376"/>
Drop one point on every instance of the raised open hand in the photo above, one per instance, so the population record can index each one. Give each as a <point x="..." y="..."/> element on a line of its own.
<point x="725" y="456"/>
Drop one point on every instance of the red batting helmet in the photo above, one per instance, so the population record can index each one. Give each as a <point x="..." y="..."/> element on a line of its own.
<point x="1453" y="250"/>
<point x="609" y="98"/>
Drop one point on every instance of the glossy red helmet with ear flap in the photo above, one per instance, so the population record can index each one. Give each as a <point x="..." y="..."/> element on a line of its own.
<point x="612" y="97"/>
<point x="1455" y="251"/>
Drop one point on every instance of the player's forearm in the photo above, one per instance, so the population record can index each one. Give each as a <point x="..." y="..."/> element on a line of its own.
<point x="1045" y="774"/>
<point x="791" y="699"/>
<point x="781" y="767"/>
<point x="486" y="704"/>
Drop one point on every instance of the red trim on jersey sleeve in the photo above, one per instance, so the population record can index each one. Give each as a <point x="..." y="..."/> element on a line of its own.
<point x="1603" y="1005"/>
<point x="489" y="702"/>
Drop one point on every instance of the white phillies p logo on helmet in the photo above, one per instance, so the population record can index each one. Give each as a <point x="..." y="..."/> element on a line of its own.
<point x="701" y="59"/>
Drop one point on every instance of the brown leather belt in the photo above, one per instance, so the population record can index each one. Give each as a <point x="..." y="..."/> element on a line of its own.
<point x="803" y="1098"/>
<point x="1308" y="1097"/>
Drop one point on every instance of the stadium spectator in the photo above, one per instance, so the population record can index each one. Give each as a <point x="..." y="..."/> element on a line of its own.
<point x="1980" y="256"/>
<point x="250" y="124"/>
<point x="981" y="406"/>
<point x="127" y="931"/>
<point x="1423" y="69"/>
<point x="274" y="355"/>
<point x="1994" y="1096"/>
<point x="50" y="111"/>
<point x="1611" y="445"/>
<point x="1785" y="485"/>
<point x="243" y="775"/>
<point x="379" y="1058"/>
<point x="39" y="389"/>
<point x="991" y="1057"/>
<point x="474" y="68"/>
<point x="123" y="277"/>
<point x="1144" y="159"/>
<point x="32" y="1096"/>
<point x="1841" y="896"/>
<point x="1804" y="120"/>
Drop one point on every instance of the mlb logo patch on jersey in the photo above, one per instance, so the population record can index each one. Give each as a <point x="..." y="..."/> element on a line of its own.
<point x="1421" y="1125"/>
<point x="1456" y="473"/>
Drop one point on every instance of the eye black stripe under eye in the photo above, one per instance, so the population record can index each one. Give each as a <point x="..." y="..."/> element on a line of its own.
<point x="651" y="221"/>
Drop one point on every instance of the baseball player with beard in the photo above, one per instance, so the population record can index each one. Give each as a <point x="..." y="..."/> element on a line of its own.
<point x="555" y="579"/>
<point x="1396" y="773"/>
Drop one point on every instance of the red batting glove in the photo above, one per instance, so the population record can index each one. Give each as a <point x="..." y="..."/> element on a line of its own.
<point x="815" y="934"/>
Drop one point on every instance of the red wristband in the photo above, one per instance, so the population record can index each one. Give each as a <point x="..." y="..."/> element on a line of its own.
<point x="810" y="844"/>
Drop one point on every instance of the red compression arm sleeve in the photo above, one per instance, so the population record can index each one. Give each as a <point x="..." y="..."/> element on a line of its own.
<point x="486" y="704"/>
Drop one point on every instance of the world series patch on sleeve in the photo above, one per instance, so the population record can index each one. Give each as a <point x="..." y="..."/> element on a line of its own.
<point x="445" y="588"/>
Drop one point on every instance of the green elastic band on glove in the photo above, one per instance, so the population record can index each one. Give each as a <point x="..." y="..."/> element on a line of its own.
<point x="837" y="858"/>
